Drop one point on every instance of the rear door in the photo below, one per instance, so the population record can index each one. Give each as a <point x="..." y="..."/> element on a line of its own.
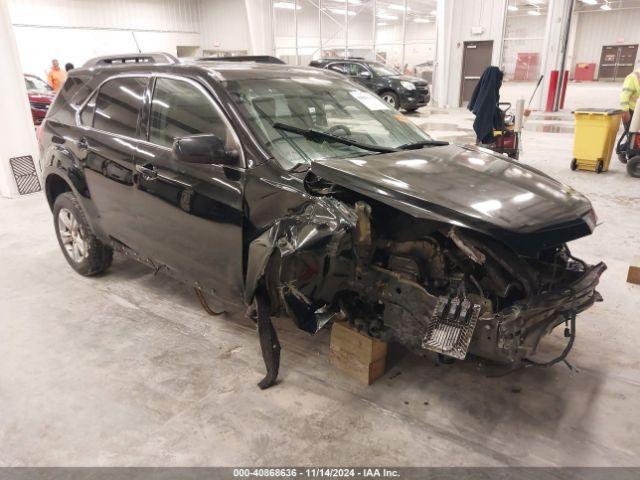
<point x="190" y="215"/>
<point x="109" y="137"/>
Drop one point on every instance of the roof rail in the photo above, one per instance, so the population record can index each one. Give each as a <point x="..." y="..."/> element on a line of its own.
<point x="129" y="58"/>
<point x="245" y="58"/>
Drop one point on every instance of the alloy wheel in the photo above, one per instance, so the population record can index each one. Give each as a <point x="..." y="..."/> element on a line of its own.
<point x="390" y="99"/>
<point x="72" y="236"/>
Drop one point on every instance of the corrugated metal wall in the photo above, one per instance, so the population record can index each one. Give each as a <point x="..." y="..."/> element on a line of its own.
<point x="596" y="29"/>
<point x="139" y="15"/>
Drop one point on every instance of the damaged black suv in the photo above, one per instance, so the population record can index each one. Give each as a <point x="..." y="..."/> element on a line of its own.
<point x="302" y="193"/>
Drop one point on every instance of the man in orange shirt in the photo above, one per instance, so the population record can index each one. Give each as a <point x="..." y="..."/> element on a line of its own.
<point x="56" y="76"/>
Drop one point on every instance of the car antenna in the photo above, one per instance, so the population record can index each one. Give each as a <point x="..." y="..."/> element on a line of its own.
<point x="133" y="34"/>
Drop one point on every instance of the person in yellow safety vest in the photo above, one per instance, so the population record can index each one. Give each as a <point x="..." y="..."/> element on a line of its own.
<point x="628" y="99"/>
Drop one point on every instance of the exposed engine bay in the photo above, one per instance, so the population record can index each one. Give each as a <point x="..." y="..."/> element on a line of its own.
<point x="427" y="285"/>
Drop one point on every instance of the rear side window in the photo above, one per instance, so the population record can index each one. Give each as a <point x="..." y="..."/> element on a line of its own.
<point x="180" y="109"/>
<point x="86" y="116"/>
<point x="118" y="105"/>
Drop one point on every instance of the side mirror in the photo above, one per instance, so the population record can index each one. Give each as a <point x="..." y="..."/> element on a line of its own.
<point x="365" y="74"/>
<point x="204" y="149"/>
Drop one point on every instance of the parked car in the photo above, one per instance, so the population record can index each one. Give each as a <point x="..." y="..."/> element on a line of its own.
<point x="295" y="190"/>
<point x="40" y="97"/>
<point x="399" y="91"/>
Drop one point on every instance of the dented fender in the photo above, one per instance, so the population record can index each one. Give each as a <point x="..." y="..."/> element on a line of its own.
<point x="319" y="224"/>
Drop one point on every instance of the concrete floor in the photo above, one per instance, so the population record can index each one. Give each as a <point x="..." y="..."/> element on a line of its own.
<point x="126" y="369"/>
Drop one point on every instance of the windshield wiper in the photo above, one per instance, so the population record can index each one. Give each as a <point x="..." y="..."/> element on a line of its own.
<point x="423" y="143"/>
<point x="319" y="136"/>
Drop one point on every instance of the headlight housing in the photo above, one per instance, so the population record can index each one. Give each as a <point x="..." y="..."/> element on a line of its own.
<point x="408" y="85"/>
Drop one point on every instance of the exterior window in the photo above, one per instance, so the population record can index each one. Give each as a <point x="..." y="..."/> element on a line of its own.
<point x="118" y="105"/>
<point x="339" y="67"/>
<point x="180" y="109"/>
<point x="86" y="116"/>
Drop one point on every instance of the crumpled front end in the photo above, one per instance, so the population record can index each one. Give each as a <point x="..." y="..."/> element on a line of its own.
<point x="427" y="285"/>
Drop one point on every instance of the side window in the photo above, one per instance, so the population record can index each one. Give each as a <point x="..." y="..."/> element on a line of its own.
<point x="86" y="115"/>
<point x="357" y="70"/>
<point x="118" y="105"/>
<point x="180" y="109"/>
<point x="338" y="67"/>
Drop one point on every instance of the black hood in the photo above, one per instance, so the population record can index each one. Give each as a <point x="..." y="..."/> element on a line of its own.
<point x="407" y="78"/>
<point x="470" y="188"/>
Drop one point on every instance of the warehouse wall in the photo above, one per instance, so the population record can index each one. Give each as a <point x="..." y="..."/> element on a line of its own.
<point x="595" y="29"/>
<point x="224" y="25"/>
<point x="74" y="31"/>
<point x="455" y="20"/>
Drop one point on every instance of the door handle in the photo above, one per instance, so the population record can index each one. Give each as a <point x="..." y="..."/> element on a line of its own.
<point x="148" y="171"/>
<point x="83" y="143"/>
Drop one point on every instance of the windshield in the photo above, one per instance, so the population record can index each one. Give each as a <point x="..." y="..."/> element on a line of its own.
<point x="34" y="83"/>
<point x="321" y="103"/>
<point x="382" y="70"/>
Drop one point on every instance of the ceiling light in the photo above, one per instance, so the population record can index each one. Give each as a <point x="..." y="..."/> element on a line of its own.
<point x="400" y="8"/>
<point x="287" y="6"/>
<point x="421" y="20"/>
<point x="590" y="2"/>
<point x="535" y="13"/>
<point x="351" y="2"/>
<point x="386" y="16"/>
<point x="513" y="8"/>
<point x="605" y="6"/>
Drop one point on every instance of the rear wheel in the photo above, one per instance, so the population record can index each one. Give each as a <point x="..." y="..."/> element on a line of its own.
<point x="84" y="252"/>
<point x="599" y="166"/>
<point x="633" y="166"/>
<point x="574" y="164"/>
<point x="391" y="98"/>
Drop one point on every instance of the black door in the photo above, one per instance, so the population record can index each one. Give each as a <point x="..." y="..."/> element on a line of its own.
<point x="362" y="75"/>
<point x="107" y="142"/>
<point x="476" y="58"/>
<point x="190" y="214"/>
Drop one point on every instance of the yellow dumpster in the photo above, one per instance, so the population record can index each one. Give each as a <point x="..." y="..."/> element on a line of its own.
<point x="595" y="136"/>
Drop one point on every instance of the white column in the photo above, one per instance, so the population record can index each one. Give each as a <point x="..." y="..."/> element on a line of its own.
<point x="552" y="52"/>
<point x="17" y="135"/>
<point x="259" y="19"/>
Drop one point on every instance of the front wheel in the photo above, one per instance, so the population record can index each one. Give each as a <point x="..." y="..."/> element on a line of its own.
<point x="633" y="166"/>
<point x="391" y="98"/>
<point x="84" y="252"/>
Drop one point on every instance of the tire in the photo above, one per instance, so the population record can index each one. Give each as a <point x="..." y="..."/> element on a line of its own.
<point x="574" y="164"/>
<point x="633" y="166"/>
<point x="599" y="166"/>
<point x="84" y="252"/>
<point x="391" y="99"/>
<point x="623" y="158"/>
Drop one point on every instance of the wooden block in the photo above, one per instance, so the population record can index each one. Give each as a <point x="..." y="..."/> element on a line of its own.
<point x="363" y="347"/>
<point x="356" y="354"/>
<point x="634" y="271"/>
